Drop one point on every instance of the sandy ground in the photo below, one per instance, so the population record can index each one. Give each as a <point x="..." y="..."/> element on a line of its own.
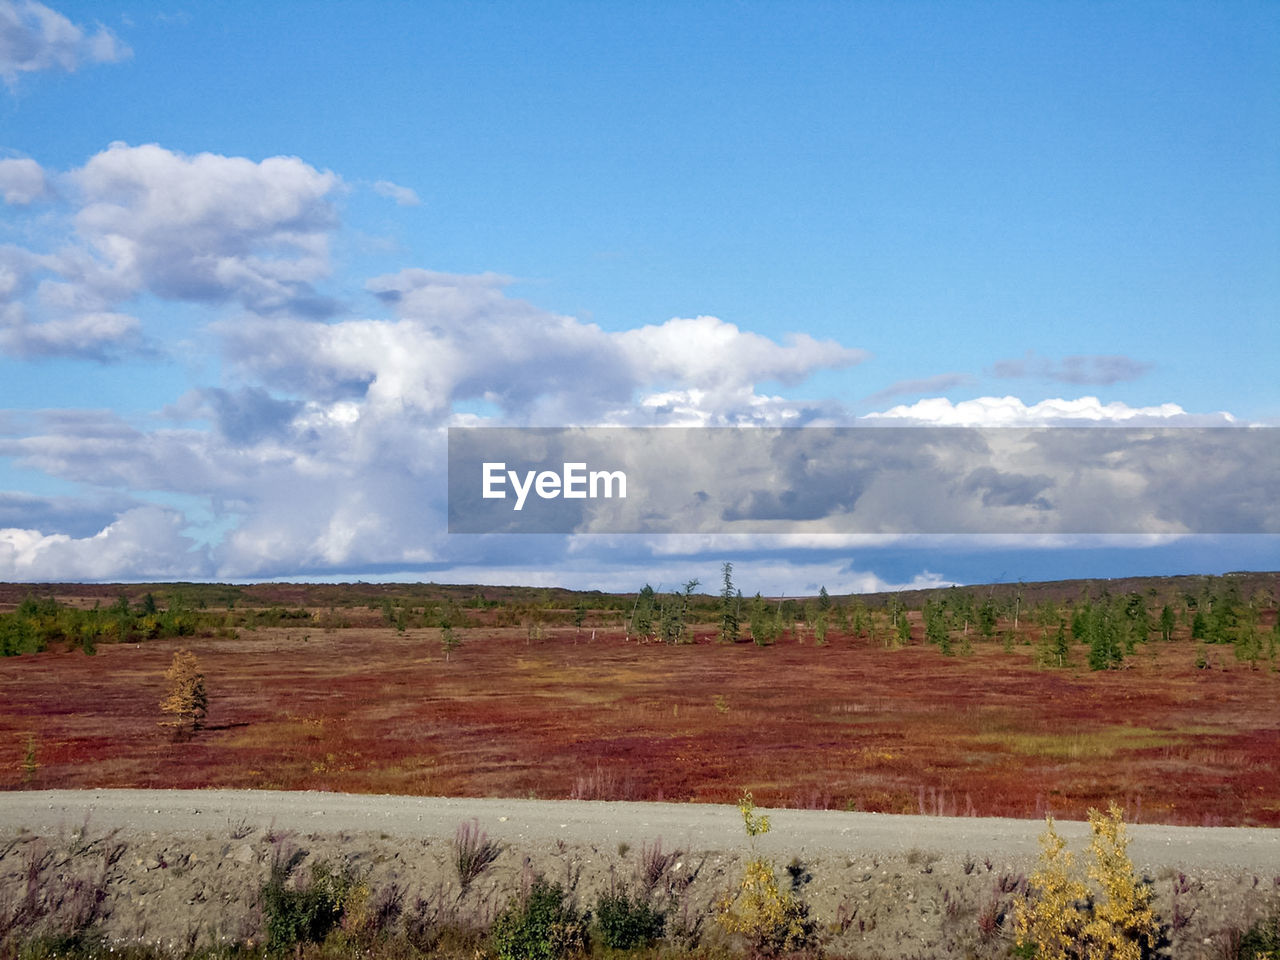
<point x="186" y="865"/>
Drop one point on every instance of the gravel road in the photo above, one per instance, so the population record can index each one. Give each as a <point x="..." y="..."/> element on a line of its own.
<point x="693" y="826"/>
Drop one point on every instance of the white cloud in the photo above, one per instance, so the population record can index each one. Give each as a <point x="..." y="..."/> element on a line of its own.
<point x="308" y="487"/>
<point x="94" y="336"/>
<point x="325" y="443"/>
<point x="330" y="452"/>
<point x="78" y="516"/>
<point x="349" y="485"/>
<point x="202" y="228"/>
<point x="403" y="196"/>
<point x="74" y="322"/>
<point x="22" y="181"/>
<point x="16" y="266"/>
<point x="737" y="406"/>
<point x="709" y="353"/>
<point x="1011" y="411"/>
<point x="730" y="544"/>
<point x="462" y="338"/>
<point x="33" y="37"/>
<point x="208" y="227"/>
<point x="142" y="543"/>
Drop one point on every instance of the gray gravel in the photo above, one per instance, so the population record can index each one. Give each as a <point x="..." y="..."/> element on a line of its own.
<point x="693" y="826"/>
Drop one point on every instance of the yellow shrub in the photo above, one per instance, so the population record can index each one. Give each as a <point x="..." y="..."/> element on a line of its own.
<point x="1063" y="920"/>
<point x="1053" y="921"/>
<point x="756" y="824"/>
<point x="772" y="921"/>
<point x="356" y="915"/>
<point x="1123" y="919"/>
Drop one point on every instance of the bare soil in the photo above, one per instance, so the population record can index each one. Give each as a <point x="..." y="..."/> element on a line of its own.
<point x="181" y="867"/>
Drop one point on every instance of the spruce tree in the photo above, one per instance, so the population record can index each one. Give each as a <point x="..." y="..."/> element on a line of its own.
<point x="759" y="617"/>
<point x="642" y="612"/>
<point x="1061" y="649"/>
<point x="728" y="607"/>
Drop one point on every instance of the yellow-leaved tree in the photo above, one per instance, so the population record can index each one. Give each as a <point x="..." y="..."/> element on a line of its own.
<point x="1054" y="919"/>
<point x="187" y="700"/>
<point x="1064" y="920"/>
<point x="1123" y="925"/>
<point x="773" y="921"/>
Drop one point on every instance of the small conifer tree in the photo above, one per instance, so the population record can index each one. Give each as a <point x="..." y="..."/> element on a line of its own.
<point x="1061" y="649"/>
<point x="728" y="607"/>
<point x="187" y="701"/>
<point x="449" y="641"/>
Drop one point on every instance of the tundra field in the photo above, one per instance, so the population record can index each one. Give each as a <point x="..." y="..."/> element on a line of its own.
<point x="978" y="702"/>
<point x="1153" y="700"/>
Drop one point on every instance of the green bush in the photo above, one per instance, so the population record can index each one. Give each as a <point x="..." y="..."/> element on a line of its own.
<point x="36" y="623"/>
<point x="539" y="926"/>
<point x="303" y="913"/>
<point x="1261" y="941"/>
<point x="625" y="923"/>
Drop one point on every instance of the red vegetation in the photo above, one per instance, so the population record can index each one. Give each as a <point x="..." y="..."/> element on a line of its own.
<point x="847" y="725"/>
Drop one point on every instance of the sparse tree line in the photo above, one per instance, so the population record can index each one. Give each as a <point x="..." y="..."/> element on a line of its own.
<point x="953" y="619"/>
<point x="1097" y="629"/>
<point x="38" y="622"/>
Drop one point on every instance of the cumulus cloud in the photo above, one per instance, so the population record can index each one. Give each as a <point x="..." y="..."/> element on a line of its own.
<point x="22" y="181"/>
<point x="145" y="220"/>
<point x="403" y="196"/>
<point x="791" y="544"/>
<point x="302" y="487"/>
<point x="323" y="448"/>
<point x="33" y="37"/>
<point x="460" y="337"/>
<point x="738" y="406"/>
<point x="209" y="227"/>
<point x="709" y="353"/>
<point x="79" y="517"/>
<point x="309" y="488"/>
<point x="326" y="451"/>
<point x="142" y="543"/>
<point x="1094" y="369"/>
<point x="17" y="268"/>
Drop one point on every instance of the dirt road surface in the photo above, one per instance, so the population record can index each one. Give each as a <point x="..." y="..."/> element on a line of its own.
<point x="606" y="823"/>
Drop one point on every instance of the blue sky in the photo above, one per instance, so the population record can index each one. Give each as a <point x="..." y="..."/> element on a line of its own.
<point x="218" y="364"/>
